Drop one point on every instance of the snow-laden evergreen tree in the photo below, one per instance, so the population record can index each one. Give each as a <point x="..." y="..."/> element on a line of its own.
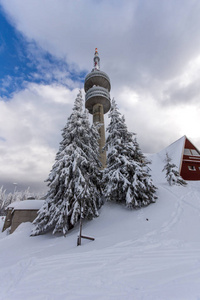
<point x="126" y="178"/>
<point x="75" y="180"/>
<point x="172" y="175"/>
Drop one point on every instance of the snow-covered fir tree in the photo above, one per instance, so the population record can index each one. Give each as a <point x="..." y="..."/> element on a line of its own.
<point x="172" y="175"/>
<point x="126" y="178"/>
<point x="75" y="180"/>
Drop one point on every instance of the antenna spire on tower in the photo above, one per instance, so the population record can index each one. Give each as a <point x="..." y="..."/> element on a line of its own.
<point x="96" y="60"/>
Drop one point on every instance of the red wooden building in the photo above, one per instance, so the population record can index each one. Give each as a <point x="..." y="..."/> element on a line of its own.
<point x="186" y="157"/>
<point x="190" y="163"/>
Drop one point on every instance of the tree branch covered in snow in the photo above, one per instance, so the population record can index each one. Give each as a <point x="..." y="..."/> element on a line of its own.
<point x="126" y="178"/>
<point x="75" y="179"/>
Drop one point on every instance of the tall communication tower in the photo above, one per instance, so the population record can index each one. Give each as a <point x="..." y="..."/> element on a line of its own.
<point x="97" y="100"/>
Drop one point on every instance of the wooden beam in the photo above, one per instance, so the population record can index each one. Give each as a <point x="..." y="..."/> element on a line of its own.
<point x="87" y="237"/>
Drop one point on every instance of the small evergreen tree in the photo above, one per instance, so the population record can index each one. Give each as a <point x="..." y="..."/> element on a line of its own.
<point x="172" y="175"/>
<point x="6" y="199"/>
<point x="2" y="201"/>
<point x="74" y="181"/>
<point x="126" y="178"/>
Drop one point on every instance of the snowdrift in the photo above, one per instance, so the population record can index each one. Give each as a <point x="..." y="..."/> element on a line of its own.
<point x="150" y="253"/>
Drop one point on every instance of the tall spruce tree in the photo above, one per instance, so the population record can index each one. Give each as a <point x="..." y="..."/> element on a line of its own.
<point x="126" y="178"/>
<point x="74" y="181"/>
<point x="172" y="175"/>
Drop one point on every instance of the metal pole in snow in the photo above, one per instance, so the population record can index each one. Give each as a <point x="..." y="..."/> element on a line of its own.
<point x="81" y="218"/>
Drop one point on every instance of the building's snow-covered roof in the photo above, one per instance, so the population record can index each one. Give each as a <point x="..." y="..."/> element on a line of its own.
<point x="27" y="204"/>
<point x="175" y="151"/>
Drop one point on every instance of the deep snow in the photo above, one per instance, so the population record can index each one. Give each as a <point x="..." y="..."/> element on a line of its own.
<point x="151" y="253"/>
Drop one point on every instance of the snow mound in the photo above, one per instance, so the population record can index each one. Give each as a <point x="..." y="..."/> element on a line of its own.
<point x="145" y="254"/>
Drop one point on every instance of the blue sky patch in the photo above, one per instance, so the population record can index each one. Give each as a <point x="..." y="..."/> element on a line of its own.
<point x="23" y="61"/>
<point x="2" y="139"/>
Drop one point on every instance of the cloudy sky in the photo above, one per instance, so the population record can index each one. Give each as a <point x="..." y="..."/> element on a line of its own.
<point x="150" y="50"/>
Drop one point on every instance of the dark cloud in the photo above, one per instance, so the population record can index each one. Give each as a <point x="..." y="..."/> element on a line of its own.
<point x="37" y="188"/>
<point x="138" y="40"/>
<point x="182" y="94"/>
<point x="164" y="35"/>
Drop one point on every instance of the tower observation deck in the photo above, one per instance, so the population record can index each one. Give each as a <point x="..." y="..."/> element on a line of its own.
<point x="97" y="100"/>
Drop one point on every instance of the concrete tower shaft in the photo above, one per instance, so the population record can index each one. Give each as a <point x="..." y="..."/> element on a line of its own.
<point x="97" y="99"/>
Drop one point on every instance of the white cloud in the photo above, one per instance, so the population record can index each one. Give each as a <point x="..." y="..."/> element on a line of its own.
<point x="142" y="44"/>
<point x="149" y="49"/>
<point x="157" y="124"/>
<point x="135" y="36"/>
<point x="31" y="123"/>
<point x="185" y="87"/>
<point x="30" y="130"/>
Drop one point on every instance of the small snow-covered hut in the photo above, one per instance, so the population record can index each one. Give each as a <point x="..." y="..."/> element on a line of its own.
<point x="20" y="212"/>
<point x="185" y="156"/>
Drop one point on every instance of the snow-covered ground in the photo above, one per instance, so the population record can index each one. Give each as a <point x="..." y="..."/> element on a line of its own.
<point x="149" y="254"/>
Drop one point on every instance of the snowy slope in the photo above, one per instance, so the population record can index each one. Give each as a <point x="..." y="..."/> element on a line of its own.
<point x="131" y="257"/>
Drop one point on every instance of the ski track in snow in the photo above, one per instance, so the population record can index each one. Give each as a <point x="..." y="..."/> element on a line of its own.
<point x="120" y="270"/>
<point x="132" y="259"/>
<point x="175" y="216"/>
